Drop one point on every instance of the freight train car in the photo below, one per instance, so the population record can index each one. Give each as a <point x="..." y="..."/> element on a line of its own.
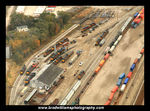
<point x="22" y="70"/>
<point x="81" y="74"/>
<point x="30" y="96"/>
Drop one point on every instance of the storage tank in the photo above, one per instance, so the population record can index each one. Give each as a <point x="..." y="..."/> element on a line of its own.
<point x="24" y="90"/>
<point x="123" y="88"/>
<point x="73" y="59"/>
<point x="132" y="67"/>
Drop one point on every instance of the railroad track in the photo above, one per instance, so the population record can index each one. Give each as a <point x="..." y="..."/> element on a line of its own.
<point x="98" y="58"/>
<point x="134" y="81"/>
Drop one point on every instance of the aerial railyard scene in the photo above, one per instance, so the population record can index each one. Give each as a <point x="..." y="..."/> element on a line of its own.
<point x="74" y="55"/>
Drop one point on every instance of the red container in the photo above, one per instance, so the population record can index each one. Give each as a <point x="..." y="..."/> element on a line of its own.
<point x="114" y="89"/>
<point x="107" y="103"/>
<point x="142" y="16"/>
<point x="137" y="21"/>
<point x="142" y="51"/>
<point x="111" y="96"/>
<point x="129" y="75"/>
<point x="97" y="69"/>
<point x="106" y="56"/>
<point x="135" y="61"/>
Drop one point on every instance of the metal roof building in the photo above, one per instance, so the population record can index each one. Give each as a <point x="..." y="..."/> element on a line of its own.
<point x="47" y="76"/>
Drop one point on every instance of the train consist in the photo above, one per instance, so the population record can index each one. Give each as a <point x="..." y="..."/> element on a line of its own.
<point x="101" y="40"/>
<point x="87" y="27"/>
<point x="139" y="16"/>
<point x="126" y="80"/>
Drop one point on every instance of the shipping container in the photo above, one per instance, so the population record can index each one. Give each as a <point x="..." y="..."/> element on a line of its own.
<point x="122" y="76"/>
<point x="132" y="67"/>
<point x="122" y="87"/>
<point x="142" y="51"/>
<point x="111" y="96"/>
<point x="137" y="21"/>
<point x="106" y="50"/>
<point x="119" y="82"/>
<point x="139" y="56"/>
<point x="107" y="103"/>
<point x="136" y="14"/>
<point x="111" y="49"/>
<point x="129" y="75"/>
<point x="114" y="89"/>
<point x="102" y="63"/>
<point x="97" y="69"/>
<point x="70" y="94"/>
<point x="106" y="56"/>
<point x="116" y="43"/>
<point x="75" y="87"/>
<point x="64" y="102"/>
<point x="135" y="61"/>
<point x="126" y="80"/>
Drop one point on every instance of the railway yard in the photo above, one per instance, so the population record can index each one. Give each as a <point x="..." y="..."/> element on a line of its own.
<point x="89" y="64"/>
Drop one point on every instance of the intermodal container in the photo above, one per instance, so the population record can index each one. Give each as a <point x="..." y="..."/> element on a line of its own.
<point x="114" y="89"/>
<point x="119" y="38"/>
<point x="139" y="56"/>
<point x="116" y="43"/>
<point x="106" y="56"/>
<point x="107" y="103"/>
<point x="122" y="76"/>
<point x="111" y="96"/>
<point x="102" y="63"/>
<point x="132" y="67"/>
<point x="137" y="21"/>
<point x="122" y="87"/>
<point x="126" y="80"/>
<point x="119" y="82"/>
<point x="129" y="75"/>
<point x="142" y="16"/>
<point x="142" y="51"/>
<point x="135" y="61"/>
<point x="97" y="69"/>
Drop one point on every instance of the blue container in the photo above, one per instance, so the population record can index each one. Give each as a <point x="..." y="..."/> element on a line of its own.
<point x="126" y="80"/>
<point x="136" y="14"/>
<point x="119" y="82"/>
<point x="132" y="24"/>
<point x="122" y="76"/>
<point x="135" y="25"/>
<point x="132" y="67"/>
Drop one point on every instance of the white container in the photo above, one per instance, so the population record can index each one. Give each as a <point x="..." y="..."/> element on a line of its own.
<point x="116" y="43"/>
<point x="139" y="56"/>
<point x="70" y="94"/>
<point x="122" y="87"/>
<point x="111" y="49"/>
<point x="119" y="38"/>
<point x="76" y="85"/>
<point x="64" y="102"/>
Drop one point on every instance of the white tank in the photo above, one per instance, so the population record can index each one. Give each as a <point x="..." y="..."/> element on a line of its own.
<point x="75" y="87"/>
<point x="24" y="90"/>
<point x="116" y="43"/>
<point x="111" y="49"/>
<point x="64" y="102"/>
<point x="139" y="56"/>
<point x="73" y="59"/>
<point x="122" y="87"/>
<point x="119" y="38"/>
<point x="70" y="94"/>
